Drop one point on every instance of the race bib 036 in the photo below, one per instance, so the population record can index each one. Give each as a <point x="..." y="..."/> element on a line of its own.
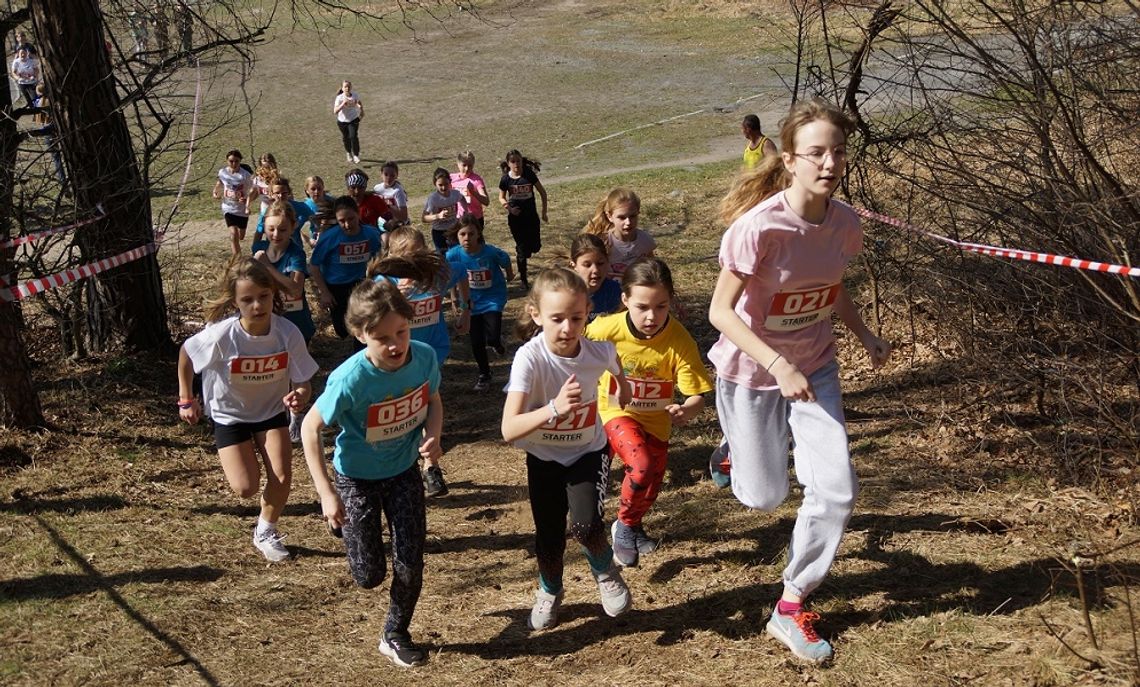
<point x="479" y="279"/>
<point x="397" y="416"/>
<point x="575" y="429"/>
<point x="353" y="252"/>
<point x="426" y="311"/>
<point x="792" y="310"/>
<point x="260" y="369"/>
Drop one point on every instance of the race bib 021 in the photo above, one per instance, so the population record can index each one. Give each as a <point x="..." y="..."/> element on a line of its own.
<point x="792" y="310"/>
<point x="353" y="252"/>
<point x="426" y="311"/>
<point x="479" y="279"/>
<point x="577" y="428"/>
<point x="396" y="417"/>
<point x="259" y="369"/>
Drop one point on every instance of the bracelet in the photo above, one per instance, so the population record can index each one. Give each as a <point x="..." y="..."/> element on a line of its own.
<point x="186" y="404"/>
<point x="554" y="414"/>
<point x="778" y="356"/>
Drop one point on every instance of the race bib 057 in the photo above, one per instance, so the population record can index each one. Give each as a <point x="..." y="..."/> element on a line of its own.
<point x="792" y="310"/>
<point x="397" y="416"/>
<point x="353" y="252"/>
<point x="259" y="369"/>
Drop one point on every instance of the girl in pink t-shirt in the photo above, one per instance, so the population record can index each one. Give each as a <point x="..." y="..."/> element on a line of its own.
<point x="615" y="221"/>
<point x="471" y="185"/>
<point x="782" y="261"/>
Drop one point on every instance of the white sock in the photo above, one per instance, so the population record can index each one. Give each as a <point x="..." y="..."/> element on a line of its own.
<point x="264" y="526"/>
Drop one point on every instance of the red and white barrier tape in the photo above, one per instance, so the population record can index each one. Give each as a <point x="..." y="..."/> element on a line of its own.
<point x="1012" y="253"/>
<point x="54" y="281"/>
<point x="36" y="236"/>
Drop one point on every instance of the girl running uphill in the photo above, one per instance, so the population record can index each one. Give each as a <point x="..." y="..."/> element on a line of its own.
<point x="471" y="185"/>
<point x="442" y="208"/>
<point x="657" y="355"/>
<point x="340" y="261"/>
<point x="385" y="399"/>
<point x="782" y="261"/>
<point x="551" y="413"/>
<point x="484" y="265"/>
<point x="233" y="187"/>
<point x="615" y="221"/>
<point x="392" y="191"/>
<point x="589" y="257"/>
<point x="423" y="277"/>
<point x="254" y="367"/>
<point x="517" y="187"/>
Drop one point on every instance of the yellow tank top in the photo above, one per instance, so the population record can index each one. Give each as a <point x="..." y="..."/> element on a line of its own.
<point x="752" y="156"/>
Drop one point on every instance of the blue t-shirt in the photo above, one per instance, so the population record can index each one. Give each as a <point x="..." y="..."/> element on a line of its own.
<point x="381" y="414"/>
<point x="296" y="309"/>
<point x="344" y="259"/>
<point x="484" y="276"/>
<point x="304" y="214"/>
<point x="429" y="325"/>
<point x="606" y="299"/>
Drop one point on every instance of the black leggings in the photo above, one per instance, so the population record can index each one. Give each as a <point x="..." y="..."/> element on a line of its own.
<point x="486" y="330"/>
<point x="340" y="294"/>
<point x="401" y="500"/>
<point x="350" y="135"/>
<point x="578" y="489"/>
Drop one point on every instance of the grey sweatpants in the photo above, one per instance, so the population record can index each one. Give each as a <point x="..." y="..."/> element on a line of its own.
<point x="756" y="426"/>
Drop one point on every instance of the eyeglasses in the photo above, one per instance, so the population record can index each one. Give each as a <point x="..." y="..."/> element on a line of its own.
<point x="837" y="156"/>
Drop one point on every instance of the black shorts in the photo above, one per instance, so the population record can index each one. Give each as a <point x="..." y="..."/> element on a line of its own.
<point x="232" y="220"/>
<point x="228" y="435"/>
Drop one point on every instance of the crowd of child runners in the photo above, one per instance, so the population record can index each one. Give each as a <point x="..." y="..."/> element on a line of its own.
<point x="604" y="369"/>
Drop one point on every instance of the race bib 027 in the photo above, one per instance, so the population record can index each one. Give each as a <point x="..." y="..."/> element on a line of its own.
<point x="577" y="428"/>
<point x="792" y="310"/>
<point x="479" y="279"/>
<point x="259" y="369"/>
<point x="353" y="252"/>
<point x="426" y="311"/>
<point x="396" y="417"/>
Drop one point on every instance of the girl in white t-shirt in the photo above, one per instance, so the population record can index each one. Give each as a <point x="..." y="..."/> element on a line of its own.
<point x="349" y="111"/>
<point x="552" y="413"/>
<point x="233" y="188"/>
<point x="264" y="177"/>
<point x="615" y="220"/>
<point x="782" y="261"/>
<point x="255" y="367"/>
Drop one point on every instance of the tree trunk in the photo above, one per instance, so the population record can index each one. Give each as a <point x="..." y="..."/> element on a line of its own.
<point x="124" y="304"/>
<point x="19" y="403"/>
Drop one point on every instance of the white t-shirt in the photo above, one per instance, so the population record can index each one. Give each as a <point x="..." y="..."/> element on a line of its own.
<point x="235" y="190"/>
<point x="436" y="203"/>
<point x="622" y="253"/>
<point x="25" y="70"/>
<point x="541" y="374"/>
<point x="350" y="112"/>
<point x="393" y="195"/>
<point x="245" y="377"/>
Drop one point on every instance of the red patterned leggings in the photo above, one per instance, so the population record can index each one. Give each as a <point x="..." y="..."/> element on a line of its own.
<point x="644" y="456"/>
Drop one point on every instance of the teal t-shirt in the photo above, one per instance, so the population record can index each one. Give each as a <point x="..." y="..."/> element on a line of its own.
<point x="381" y="414"/>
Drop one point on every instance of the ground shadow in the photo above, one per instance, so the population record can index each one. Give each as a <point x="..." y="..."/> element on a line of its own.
<point x="33" y="504"/>
<point x="468" y="494"/>
<point x="59" y="586"/>
<point x="253" y="510"/>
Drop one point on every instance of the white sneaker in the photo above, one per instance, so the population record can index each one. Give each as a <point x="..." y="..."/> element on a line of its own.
<point x="614" y="592"/>
<point x="270" y="546"/>
<point x="356" y="159"/>
<point x="348" y="157"/>
<point x="544" y="615"/>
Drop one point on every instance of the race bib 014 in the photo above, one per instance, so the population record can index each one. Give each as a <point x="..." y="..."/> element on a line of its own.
<point x="396" y="417"/>
<point x="577" y="428"/>
<point x="793" y="310"/>
<point x="259" y="369"/>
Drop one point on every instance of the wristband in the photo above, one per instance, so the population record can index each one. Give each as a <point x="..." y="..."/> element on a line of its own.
<point x="554" y="414"/>
<point x="185" y="404"/>
<point x="778" y="356"/>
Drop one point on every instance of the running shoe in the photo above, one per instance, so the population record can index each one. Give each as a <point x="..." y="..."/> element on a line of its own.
<point x="796" y="633"/>
<point x="544" y="615"/>
<point x="401" y="650"/>
<point x="613" y="590"/>
<point x="434" y="485"/>
<point x="625" y="544"/>
<point x="720" y="466"/>
<point x="270" y="546"/>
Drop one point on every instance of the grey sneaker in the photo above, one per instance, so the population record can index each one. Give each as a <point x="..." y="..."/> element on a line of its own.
<point x="720" y="465"/>
<point x="645" y="543"/>
<point x="796" y="633"/>
<point x="613" y="590"/>
<point x="295" y="427"/>
<point x="544" y="615"/>
<point x="433" y="482"/>
<point x="625" y="544"/>
<point x="270" y="546"/>
<point x="401" y="650"/>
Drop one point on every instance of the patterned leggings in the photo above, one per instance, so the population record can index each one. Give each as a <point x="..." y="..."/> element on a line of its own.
<point x="645" y="457"/>
<point x="578" y="490"/>
<point x="401" y="499"/>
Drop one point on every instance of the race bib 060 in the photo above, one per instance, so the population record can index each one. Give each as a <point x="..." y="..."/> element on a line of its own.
<point x="479" y="279"/>
<point x="397" y="416"/>
<point x="259" y="369"/>
<point x="792" y="310"/>
<point x="575" y="429"/>
<point x="353" y="252"/>
<point x="646" y="394"/>
<point x="426" y="311"/>
<point x="293" y="304"/>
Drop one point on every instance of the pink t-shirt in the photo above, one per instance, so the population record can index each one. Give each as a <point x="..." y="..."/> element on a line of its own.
<point x="622" y="253"/>
<point x="793" y="271"/>
<point x="461" y="184"/>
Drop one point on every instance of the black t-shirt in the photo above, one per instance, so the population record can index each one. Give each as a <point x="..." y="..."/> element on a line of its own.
<point x="520" y="192"/>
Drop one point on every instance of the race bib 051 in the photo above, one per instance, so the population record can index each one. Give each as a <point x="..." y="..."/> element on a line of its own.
<point x="792" y="310"/>
<point x="397" y="416"/>
<point x="259" y="369"/>
<point x="575" y="429"/>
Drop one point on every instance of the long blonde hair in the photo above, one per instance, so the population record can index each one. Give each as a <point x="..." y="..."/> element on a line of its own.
<point x="770" y="177"/>
<point x="599" y="224"/>
<point x="549" y="279"/>
<point x="244" y="267"/>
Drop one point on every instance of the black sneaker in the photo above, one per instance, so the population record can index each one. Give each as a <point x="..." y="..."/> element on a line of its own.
<point x="433" y="482"/>
<point x="483" y="384"/>
<point x="401" y="650"/>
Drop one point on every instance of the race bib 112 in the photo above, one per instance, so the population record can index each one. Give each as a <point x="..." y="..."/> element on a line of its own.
<point x="646" y="394"/>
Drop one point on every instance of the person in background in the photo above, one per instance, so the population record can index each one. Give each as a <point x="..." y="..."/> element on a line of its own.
<point x="759" y="145"/>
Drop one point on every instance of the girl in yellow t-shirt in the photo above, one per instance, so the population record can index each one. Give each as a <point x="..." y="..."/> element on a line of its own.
<point x="658" y="356"/>
<point x="759" y="145"/>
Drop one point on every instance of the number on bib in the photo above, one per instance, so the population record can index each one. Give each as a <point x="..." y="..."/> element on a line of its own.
<point x="479" y="279"/>
<point x="396" y="417"/>
<point x="793" y="310"/>
<point x="427" y="311"/>
<point x="261" y="369"/>
<point x="646" y="394"/>
<point x="353" y="252"/>
<point x="577" y="428"/>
